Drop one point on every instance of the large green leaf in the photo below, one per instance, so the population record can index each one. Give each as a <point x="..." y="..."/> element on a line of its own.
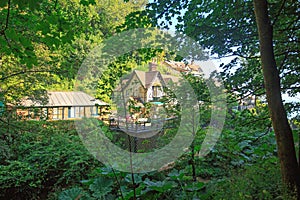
<point x="101" y="187"/>
<point x="194" y="186"/>
<point x="160" y="186"/>
<point x="71" y="194"/>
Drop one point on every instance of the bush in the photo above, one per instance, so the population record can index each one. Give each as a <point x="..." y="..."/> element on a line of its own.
<point x="50" y="156"/>
<point x="261" y="181"/>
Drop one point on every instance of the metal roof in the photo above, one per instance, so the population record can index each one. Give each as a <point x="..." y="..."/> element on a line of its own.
<point x="65" y="99"/>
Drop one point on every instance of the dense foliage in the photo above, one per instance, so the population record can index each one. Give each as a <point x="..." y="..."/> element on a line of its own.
<point x="46" y="160"/>
<point x="262" y="37"/>
<point x="41" y="157"/>
<point x="43" y="44"/>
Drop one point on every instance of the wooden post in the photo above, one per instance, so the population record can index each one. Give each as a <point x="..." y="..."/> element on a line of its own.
<point x="63" y="113"/>
<point x="47" y="113"/>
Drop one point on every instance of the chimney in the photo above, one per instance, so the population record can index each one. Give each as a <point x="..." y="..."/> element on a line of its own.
<point x="152" y="67"/>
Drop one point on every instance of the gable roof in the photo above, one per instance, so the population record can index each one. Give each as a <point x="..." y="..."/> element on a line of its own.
<point x="65" y="99"/>
<point x="141" y="76"/>
<point x="147" y="78"/>
<point x="150" y="77"/>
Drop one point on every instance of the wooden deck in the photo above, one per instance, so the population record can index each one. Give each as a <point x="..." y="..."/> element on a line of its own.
<point x="141" y="127"/>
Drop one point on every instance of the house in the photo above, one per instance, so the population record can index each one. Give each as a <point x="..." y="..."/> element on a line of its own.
<point x="142" y="92"/>
<point x="62" y="106"/>
<point x="145" y="86"/>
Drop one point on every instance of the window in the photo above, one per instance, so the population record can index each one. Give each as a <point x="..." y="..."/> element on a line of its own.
<point x="156" y="91"/>
<point x="77" y="112"/>
<point x="82" y="112"/>
<point x="71" y="112"/>
<point x="55" y="113"/>
<point x="94" y="111"/>
<point x="61" y="112"/>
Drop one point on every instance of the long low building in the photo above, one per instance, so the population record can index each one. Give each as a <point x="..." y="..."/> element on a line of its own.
<point x="63" y="106"/>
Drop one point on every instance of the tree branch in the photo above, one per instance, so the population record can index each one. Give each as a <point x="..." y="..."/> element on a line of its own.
<point x="246" y="57"/>
<point x="279" y="12"/>
<point x="7" y="18"/>
<point x="165" y="10"/>
<point x="290" y="88"/>
<point x="265" y="133"/>
<point x="256" y="120"/>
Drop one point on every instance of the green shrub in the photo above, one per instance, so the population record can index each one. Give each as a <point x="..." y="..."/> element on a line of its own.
<point x="262" y="181"/>
<point x="48" y="157"/>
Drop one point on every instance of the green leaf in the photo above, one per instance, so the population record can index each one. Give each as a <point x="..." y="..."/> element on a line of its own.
<point x="101" y="187"/>
<point x="11" y="34"/>
<point x="160" y="186"/>
<point x="3" y="3"/>
<point x="194" y="186"/>
<point x="137" y="178"/>
<point x="71" y="194"/>
<point x="87" y="2"/>
<point x="44" y="27"/>
<point x="176" y="174"/>
<point x="86" y="182"/>
<point x="25" y="42"/>
<point x="22" y="3"/>
<point x="33" y="4"/>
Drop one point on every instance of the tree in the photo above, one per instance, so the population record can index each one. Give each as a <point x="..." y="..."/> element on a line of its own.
<point x="286" y="149"/>
<point x="43" y="43"/>
<point x="230" y="29"/>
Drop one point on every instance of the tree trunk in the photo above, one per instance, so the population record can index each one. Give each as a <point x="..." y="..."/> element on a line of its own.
<point x="285" y="143"/>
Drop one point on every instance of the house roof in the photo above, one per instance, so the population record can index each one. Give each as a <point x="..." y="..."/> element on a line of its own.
<point x="67" y="99"/>
<point x="141" y="76"/>
<point x="150" y="77"/>
<point x="147" y="78"/>
<point x="168" y="78"/>
<point x="194" y="67"/>
<point x="181" y="66"/>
